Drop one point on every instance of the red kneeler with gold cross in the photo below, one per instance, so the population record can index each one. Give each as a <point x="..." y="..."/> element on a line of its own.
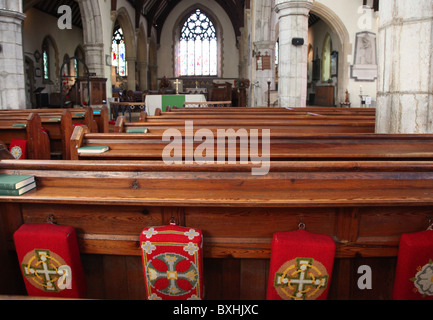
<point x="301" y="266"/>
<point x="173" y="262"/>
<point x="50" y="260"/>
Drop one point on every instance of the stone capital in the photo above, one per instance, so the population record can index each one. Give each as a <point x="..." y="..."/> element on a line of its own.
<point x="12" y="14"/>
<point x="293" y="7"/>
<point x="264" y="45"/>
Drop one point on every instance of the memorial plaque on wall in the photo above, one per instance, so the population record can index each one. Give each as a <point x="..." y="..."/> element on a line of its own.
<point x="263" y="62"/>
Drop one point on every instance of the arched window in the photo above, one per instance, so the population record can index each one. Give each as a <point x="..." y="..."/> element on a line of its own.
<point x="326" y="58"/>
<point x="50" y="60"/>
<point x="198" y="46"/>
<point x="118" y="52"/>
<point x="46" y="59"/>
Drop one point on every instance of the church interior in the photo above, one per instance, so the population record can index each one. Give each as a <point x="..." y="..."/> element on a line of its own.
<point x="216" y="149"/>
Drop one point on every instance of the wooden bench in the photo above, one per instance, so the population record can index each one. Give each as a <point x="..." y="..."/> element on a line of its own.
<point x="59" y="124"/>
<point x="27" y="128"/>
<point x="207" y="104"/>
<point x="364" y="206"/>
<point x="282" y="146"/>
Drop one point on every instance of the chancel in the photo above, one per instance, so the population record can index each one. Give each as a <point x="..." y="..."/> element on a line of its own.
<point x="332" y="98"/>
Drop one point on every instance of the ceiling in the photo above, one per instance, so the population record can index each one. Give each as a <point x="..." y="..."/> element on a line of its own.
<point x="51" y="6"/>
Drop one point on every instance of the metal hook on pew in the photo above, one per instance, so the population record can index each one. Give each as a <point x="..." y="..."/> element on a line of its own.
<point x="173" y="221"/>
<point x="430" y="223"/>
<point x="301" y="225"/>
<point x="51" y="219"/>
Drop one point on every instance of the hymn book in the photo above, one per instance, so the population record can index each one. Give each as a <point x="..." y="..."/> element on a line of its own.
<point x="93" y="149"/>
<point x="18" y="192"/>
<point x="13" y="182"/>
<point x="137" y="130"/>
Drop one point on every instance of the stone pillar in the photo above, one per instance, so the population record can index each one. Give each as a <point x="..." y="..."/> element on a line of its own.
<point x="12" y="79"/>
<point x="94" y="52"/>
<point x="292" y="73"/>
<point x="131" y="61"/>
<point x="142" y="72"/>
<point x="93" y="36"/>
<point x="262" y="76"/>
<point x="405" y="61"/>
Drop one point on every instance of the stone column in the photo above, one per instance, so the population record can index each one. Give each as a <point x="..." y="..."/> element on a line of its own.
<point x="12" y="79"/>
<point x="94" y="52"/>
<point x="405" y="76"/>
<point x="131" y="62"/>
<point x="292" y="73"/>
<point x="93" y="36"/>
<point x="262" y="76"/>
<point x="142" y="71"/>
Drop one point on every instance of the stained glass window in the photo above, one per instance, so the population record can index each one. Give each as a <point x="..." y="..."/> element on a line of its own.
<point x="118" y="52"/>
<point x="198" y="46"/>
<point x="45" y="60"/>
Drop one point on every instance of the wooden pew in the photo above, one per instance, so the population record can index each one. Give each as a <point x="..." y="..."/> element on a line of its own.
<point x="96" y="119"/>
<point x="207" y="104"/>
<point x="288" y="126"/>
<point x="59" y="124"/>
<point x="282" y="146"/>
<point x="274" y="109"/>
<point x="364" y="206"/>
<point x="38" y="143"/>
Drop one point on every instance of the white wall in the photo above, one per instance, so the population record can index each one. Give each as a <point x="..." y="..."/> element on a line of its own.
<point x="34" y="33"/>
<point x="355" y="20"/>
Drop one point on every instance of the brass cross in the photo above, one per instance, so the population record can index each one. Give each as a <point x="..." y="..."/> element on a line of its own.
<point x="177" y="83"/>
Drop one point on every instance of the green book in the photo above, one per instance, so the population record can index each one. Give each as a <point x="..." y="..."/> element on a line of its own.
<point x="137" y="130"/>
<point x="54" y="119"/>
<point x="93" y="149"/>
<point x="18" y="192"/>
<point x="19" y="125"/>
<point x="14" y="181"/>
<point x="79" y="114"/>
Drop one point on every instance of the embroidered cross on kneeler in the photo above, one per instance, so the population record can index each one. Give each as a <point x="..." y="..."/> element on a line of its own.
<point x="50" y="260"/>
<point x="172" y="262"/>
<point x="301" y="266"/>
<point x="414" y="272"/>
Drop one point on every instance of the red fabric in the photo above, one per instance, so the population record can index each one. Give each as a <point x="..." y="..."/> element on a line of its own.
<point x="172" y="262"/>
<point x="50" y="260"/>
<point x="414" y="272"/>
<point x="301" y="266"/>
<point x="18" y="148"/>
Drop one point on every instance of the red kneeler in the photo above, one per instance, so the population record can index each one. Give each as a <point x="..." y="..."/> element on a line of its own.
<point x="172" y="262"/>
<point x="50" y="260"/>
<point x="414" y="272"/>
<point x="301" y="266"/>
<point x="18" y="148"/>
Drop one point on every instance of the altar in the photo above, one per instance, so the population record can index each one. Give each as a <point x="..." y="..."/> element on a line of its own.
<point x="162" y="101"/>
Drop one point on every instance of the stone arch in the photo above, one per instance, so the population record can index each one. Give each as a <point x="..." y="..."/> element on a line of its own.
<point x="92" y="35"/>
<point x="344" y="47"/>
